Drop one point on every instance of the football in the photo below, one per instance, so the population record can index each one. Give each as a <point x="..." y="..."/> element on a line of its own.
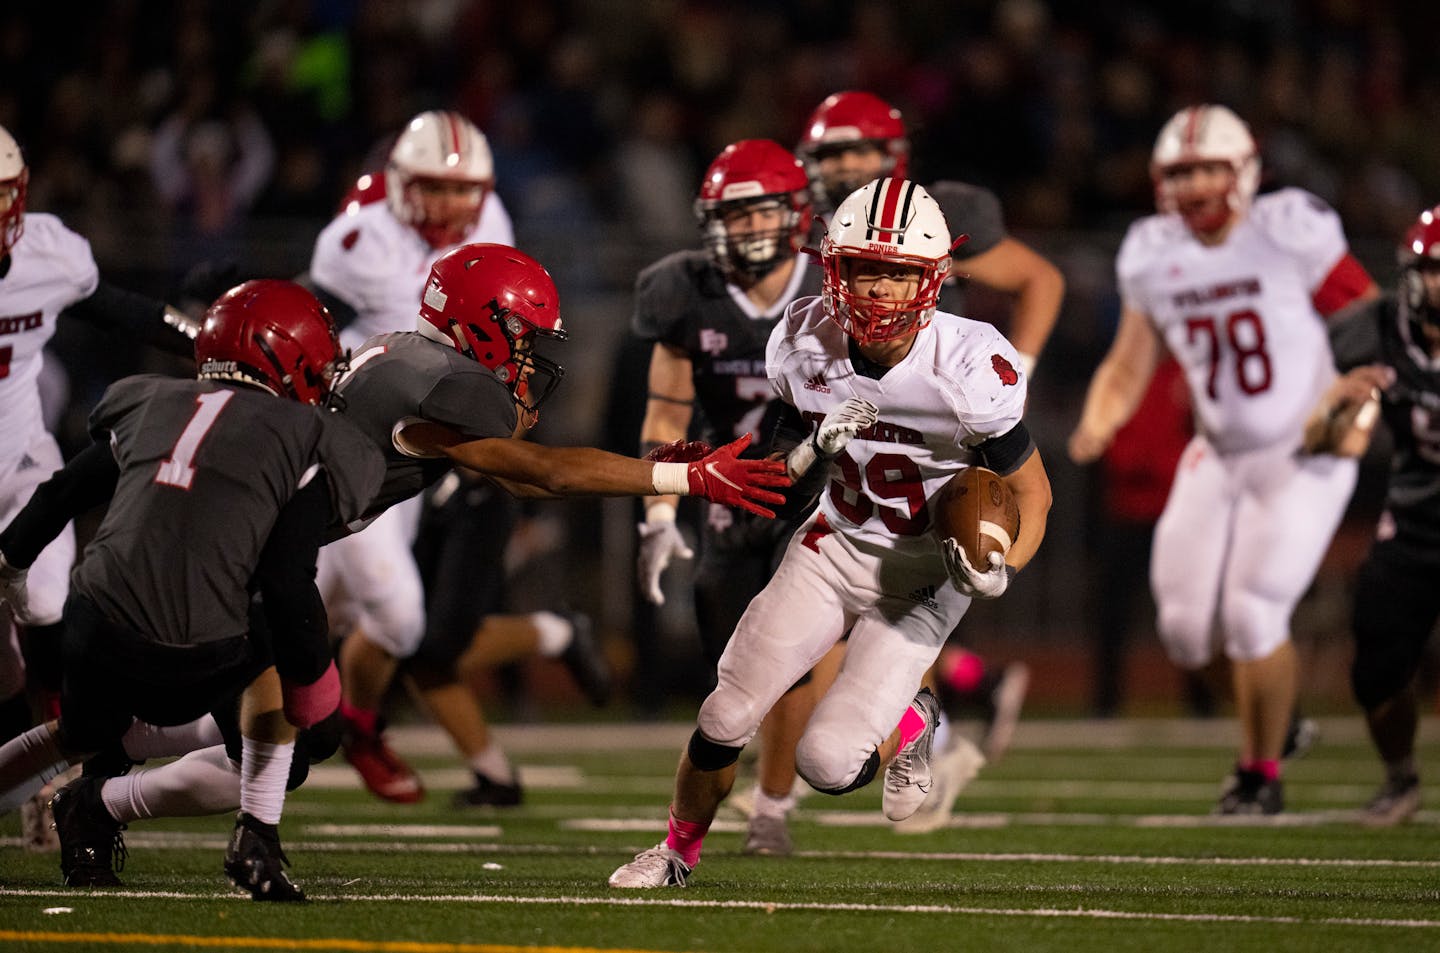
<point x="978" y="511"/>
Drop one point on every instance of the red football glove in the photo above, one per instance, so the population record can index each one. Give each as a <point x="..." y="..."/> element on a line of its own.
<point x="679" y="451"/>
<point x="308" y="705"/>
<point x="722" y="477"/>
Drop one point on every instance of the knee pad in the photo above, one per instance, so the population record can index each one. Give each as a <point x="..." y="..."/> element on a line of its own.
<point x="868" y="770"/>
<point x="320" y="741"/>
<point x="1186" y="640"/>
<point x="42" y="647"/>
<point x="1255" y="626"/>
<point x="709" y="756"/>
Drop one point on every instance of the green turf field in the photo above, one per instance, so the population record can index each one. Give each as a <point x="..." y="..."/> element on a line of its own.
<point x="1088" y="836"/>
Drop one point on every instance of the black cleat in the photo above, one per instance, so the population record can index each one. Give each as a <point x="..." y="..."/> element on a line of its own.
<point x="1248" y="793"/>
<point x="92" y="847"/>
<point x="254" y="862"/>
<point x="586" y="661"/>
<point x="488" y="793"/>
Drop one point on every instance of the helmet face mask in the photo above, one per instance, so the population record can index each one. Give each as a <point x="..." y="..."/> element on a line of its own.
<point x="14" y="184"/>
<point x="1419" y="258"/>
<point x="1205" y="168"/>
<point x="753" y="208"/>
<point x="890" y="228"/>
<point x="850" y="139"/>
<point x="493" y="303"/>
<point x="274" y="335"/>
<point x="438" y="176"/>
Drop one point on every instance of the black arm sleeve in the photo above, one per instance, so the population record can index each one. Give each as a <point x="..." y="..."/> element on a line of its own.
<point x="789" y="431"/>
<point x="136" y="314"/>
<point x="343" y="314"/>
<point x="285" y="578"/>
<point x="83" y="483"/>
<point x="1006" y="453"/>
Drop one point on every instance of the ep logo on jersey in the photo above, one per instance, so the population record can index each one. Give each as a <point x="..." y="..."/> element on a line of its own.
<point x="713" y="342"/>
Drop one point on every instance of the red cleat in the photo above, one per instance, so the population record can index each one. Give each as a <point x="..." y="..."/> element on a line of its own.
<point x="384" y="772"/>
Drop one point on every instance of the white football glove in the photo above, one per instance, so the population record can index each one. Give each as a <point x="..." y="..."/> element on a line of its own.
<point x="660" y="542"/>
<point x="841" y="424"/>
<point x="13" y="592"/>
<point x="977" y="585"/>
<point x="844" y="422"/>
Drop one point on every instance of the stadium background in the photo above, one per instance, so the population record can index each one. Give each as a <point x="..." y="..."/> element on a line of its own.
<point x="171" y="133"/>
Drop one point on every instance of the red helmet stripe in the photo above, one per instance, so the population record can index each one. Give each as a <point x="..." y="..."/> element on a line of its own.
<point x="1193" y="123"/>
<point x="452" y="131"/>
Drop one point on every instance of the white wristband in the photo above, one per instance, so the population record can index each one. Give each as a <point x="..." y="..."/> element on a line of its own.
<point x="1027" y="363"/>
<point x="671" y="479"/>
<point x="801" y="459"/>
<point x="659" y="513"/>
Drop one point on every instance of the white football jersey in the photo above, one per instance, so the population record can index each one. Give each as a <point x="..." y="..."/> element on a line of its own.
<point x="960" y="385"/>
<point x="378" y="265"/>
<point x="1238" y="317"/>
<point x="51" y="268"/>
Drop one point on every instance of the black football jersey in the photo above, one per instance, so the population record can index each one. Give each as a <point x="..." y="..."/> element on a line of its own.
<point x="205" y="468"/>
<point x="402" y="378"/>
<point x="1379" y="333"/>
<point x="683" y="301"/>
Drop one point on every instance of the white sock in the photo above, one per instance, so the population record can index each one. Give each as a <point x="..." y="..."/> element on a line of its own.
<point x="263" y="772"/>
<point x="555" y="633"/>
<point x="493" y="764"/>
<point x="27" y="762"/>
<point x="203" y="782"/>
<point x="144" y="741"/>
<point x="767" y="806"/>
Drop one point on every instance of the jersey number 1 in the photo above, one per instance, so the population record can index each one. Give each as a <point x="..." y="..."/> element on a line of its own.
<point x="177" y="470"/>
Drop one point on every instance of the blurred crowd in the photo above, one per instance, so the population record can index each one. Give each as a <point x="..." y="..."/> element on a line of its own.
<point x="176" y="132"/>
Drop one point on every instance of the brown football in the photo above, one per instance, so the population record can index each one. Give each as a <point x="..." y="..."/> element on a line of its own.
<point x="977" y="510"/>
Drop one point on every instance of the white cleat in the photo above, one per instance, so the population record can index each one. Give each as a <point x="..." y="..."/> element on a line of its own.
<point x="657" y="867"/>
<point x="908" y="778"/>
<point x="953" y="770"/>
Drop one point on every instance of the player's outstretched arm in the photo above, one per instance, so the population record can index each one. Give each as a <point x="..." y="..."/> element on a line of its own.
<point x="1118" y="386"/>
<point x="721" y="477"/>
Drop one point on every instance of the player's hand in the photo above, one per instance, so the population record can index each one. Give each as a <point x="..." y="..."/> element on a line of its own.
<point x="1086" y="446"/>
<point x="990" y="584"/>
<point x="308" y="705"/>
<point x="13" y="592"/>
<point x="844" y="422"/>
<point x="723" y="477"/>
<point x="1342" y="421"/>
<point x="660" y="542"/>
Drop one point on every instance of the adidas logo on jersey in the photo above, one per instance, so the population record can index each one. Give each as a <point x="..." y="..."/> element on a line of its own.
<point x="924" y="596"/>
<point x="817" y="383"/>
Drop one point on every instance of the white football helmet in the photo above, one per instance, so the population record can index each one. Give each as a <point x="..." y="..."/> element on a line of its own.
<point x="14" y="182"/>
<point x="1206" y="134"/>
<point x="888" y="220"/>
<point x="438" y="146"/>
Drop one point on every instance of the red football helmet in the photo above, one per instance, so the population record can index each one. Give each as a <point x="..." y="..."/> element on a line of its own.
<point x="444" y="148"/>
<point x="491" y="303"/>
<point x="1419" y="254"/>
<point x="273" y="334"/>
<point x="367" y="190"/>
<point x="744" y="176"/>
<point x="892" y="222"/>
<point x="843" y="121"/>
<point x="14" y="182"/>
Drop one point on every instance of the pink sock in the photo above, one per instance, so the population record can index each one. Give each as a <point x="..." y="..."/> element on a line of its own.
<point x="1268" y="767"/>
<point x="963" y="671"/>
<point x="686" y="838"/>
<point x="911" y="724"/>
<point x="362" y="718"/>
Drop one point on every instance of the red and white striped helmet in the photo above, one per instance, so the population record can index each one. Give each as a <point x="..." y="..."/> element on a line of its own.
<point x="441" y="146"/>
<point x="1206" y="134"/>
<point x="894" y="221"/>
<point x="14" y="181"/>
